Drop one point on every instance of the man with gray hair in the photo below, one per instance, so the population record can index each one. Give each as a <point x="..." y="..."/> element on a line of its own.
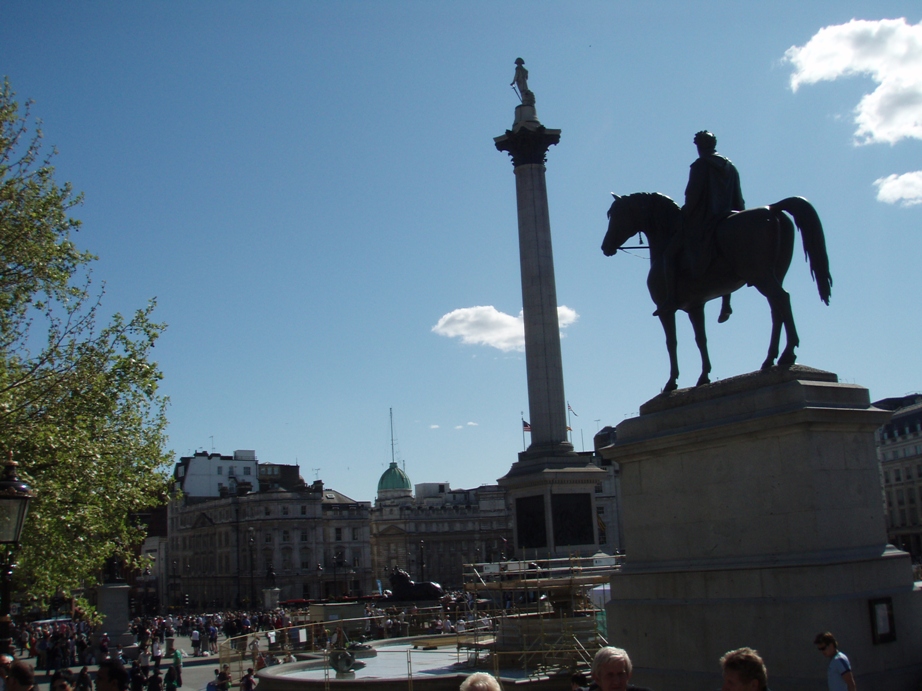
<point x="611" y="671"/>
<point x="481" y="681"/>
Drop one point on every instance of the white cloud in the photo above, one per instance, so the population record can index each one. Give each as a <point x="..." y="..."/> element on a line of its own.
<point x="486" y="325"/>
<point x="459" y="426"/>
<point x="890" y="52"/>
<point x="905" y="189"/>
<point x="433" y="426"/>
<point x="473" y="424"/>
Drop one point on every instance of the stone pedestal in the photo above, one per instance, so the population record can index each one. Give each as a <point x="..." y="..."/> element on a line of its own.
<point x="554" y="509"/>
<point x="112" y="605"/>
<point x="271" y="598"/>
<point x="753" y="516"/>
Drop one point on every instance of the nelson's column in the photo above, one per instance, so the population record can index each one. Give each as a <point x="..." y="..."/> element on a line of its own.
<point x="550" y="486"/>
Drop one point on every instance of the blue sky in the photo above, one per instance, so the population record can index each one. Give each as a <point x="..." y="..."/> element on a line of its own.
<point x="307" y="188"/>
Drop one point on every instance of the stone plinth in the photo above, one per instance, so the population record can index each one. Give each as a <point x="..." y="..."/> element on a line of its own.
<point x="112" y="605"/>
<point x="554" y="509"/>
<point x="753" y="516"/>
<point x="271" y="598"/>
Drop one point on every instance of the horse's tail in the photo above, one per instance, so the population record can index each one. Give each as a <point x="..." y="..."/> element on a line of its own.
<point x="811" y="232"/>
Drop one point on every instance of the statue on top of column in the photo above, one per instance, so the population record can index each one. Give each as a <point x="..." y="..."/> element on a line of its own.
<point x="520" y="83"/>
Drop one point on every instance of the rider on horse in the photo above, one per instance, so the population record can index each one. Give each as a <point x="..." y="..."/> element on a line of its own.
<point x="712" y="194"/>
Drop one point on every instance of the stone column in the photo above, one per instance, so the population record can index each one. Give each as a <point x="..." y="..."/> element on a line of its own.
<point x="527" y="142"/>
<point x="550" y="487"/>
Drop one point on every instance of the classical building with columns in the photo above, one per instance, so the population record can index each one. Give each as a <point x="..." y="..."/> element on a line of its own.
<point x="431" y="533"/>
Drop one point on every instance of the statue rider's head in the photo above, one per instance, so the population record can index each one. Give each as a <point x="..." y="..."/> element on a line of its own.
<point x="706" y="142"/>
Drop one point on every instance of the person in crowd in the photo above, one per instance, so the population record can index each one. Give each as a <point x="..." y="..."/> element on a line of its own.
<point x="111" y="676"/>
<point x="156" y="652"/>
<point x="136" y="678"/>
<point x="169" y="679"/>
<point x="20" y="677"/>
<point x="612" y="670"/>
<point x="84" y="683"/>
<point x="155" y="681"/>
<point x="839" y="675"/>
<point x="5" y="661"/>
<point x="63" y="680"/>
<point x="481" y="681"/>
<point x="743" y="670"/>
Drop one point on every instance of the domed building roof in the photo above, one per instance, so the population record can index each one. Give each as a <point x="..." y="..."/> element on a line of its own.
<point x="394" y="479"/>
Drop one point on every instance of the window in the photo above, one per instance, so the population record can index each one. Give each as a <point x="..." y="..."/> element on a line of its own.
<point x="220" y="470"/>
<point x="303" y="509"/>
<point x="284" y="510"/>
<point x="232" y="471"/>
<point x="286" y="536"/>
<point x="896" y="475"/>
<point x="355" y="533"/>
<point x="303" y="536"/>
<point x="268" y="537"/>
<point x="246" y="470"/>
<point x="887" y="477"/>
<point x="268" y="511"/>
<point x="339" y="534"/>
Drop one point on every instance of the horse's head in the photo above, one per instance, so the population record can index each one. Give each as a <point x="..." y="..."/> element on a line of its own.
<point x="656" y="215"/>
<point x="620" y="224"/>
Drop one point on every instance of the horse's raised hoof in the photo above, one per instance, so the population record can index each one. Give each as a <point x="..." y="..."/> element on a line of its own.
<point x="724" y="315"/>
<point x="703" y="379"/>
<point x="767" y="365"/>
<point x="670" y="386"/>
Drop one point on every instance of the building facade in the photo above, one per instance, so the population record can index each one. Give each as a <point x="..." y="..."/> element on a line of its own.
<point x="309" y="541"/>
<point x="212" y="475"/>
<point x="433" y="532"/>
<point x="899" y="451"/>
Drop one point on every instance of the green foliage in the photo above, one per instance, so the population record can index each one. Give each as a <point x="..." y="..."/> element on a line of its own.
<point x="78" y="401"/>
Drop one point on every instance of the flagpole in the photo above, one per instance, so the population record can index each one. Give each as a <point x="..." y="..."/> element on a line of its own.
<point x="522" y="416"/>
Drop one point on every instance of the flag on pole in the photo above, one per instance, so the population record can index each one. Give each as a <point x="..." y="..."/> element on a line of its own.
<point x="525" y="426"/>
<point x="570" y="408"/>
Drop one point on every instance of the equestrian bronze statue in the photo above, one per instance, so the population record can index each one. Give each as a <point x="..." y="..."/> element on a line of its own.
<point x="752" y="247"/>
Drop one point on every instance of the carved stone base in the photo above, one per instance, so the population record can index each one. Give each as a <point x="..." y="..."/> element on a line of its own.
<point x="753" y="516"/>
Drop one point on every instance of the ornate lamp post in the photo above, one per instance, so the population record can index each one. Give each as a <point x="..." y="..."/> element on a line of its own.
<point x="14" y="503"/>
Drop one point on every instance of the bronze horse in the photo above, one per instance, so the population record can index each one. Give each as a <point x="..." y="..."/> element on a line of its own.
<point x="754" y="247"/>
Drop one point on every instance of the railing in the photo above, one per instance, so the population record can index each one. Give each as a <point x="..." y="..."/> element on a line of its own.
<point x="546" y="641"/>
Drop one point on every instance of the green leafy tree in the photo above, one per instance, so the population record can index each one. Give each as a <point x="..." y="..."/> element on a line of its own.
<point x="79" y="406"/>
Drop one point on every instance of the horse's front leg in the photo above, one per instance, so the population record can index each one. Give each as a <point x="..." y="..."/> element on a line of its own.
<point x="696" y="317"/>
<point x="667" y="319"/>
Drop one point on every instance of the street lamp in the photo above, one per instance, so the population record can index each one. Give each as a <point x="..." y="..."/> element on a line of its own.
<point x="14" y="503"/>
<point x="252" y="565"/>
<point x="422" y="561"/>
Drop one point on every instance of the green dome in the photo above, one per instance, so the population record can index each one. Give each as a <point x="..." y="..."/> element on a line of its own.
<point x="394" y="478"/>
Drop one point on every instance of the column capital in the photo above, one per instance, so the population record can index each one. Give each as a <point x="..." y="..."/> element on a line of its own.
<point x="527" y="145"/>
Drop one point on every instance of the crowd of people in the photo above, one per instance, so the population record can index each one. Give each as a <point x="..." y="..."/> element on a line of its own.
<point x="59" y="645"/>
